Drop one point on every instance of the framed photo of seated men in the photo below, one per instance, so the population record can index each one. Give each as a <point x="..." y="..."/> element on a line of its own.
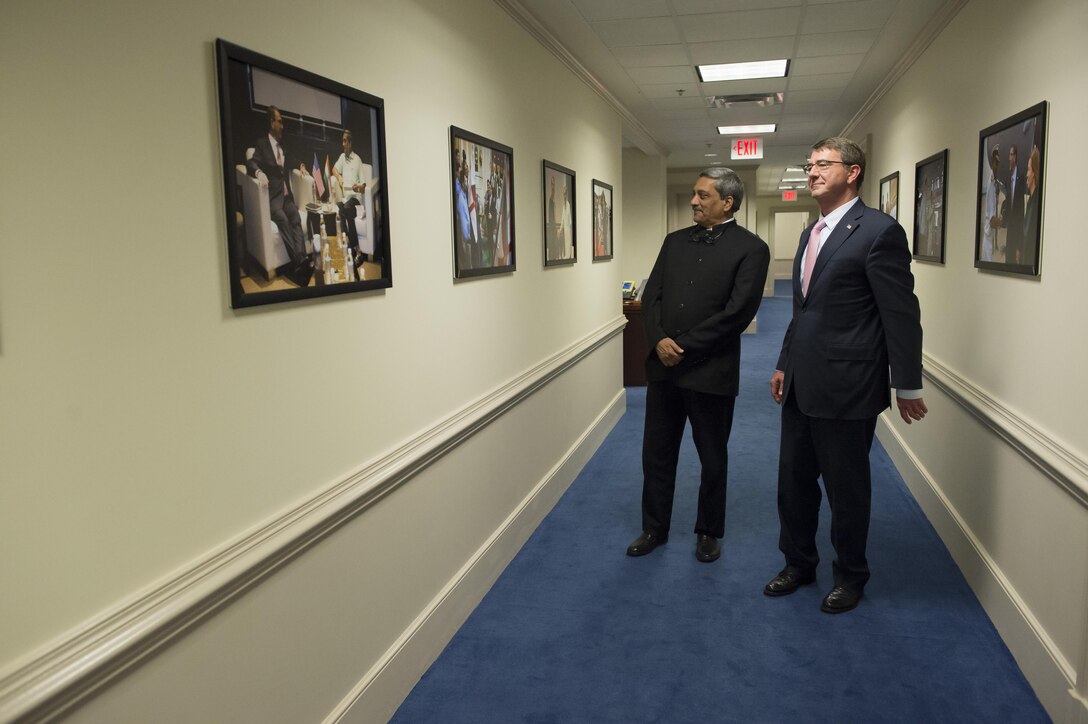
<point x="1008" y="231"/>
<point x="482" y="188"/>
<point x="560" y="218"/>
<point x="304" y="172"/>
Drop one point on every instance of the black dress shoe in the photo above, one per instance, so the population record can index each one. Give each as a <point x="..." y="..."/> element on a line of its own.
<point x="788" y="581"/>
<point x="646" y="543"/>
<point x="706" y="548"/>
<point x="840" y="600"/>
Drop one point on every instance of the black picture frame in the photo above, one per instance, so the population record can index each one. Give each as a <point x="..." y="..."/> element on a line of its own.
<point x="930" y="207"/>
<point x="483" y="218"/>
<point x="1008" y="220"/>
<point x="602" y="221"/>
<point x="889" y="195"/>
<point x="280" y="261"/>
<point x="560" y="214"/>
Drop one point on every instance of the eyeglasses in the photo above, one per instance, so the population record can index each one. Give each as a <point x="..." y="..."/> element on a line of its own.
<point x="823" y="165"/>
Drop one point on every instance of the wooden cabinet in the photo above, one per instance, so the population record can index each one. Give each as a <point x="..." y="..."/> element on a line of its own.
<point x="635" y="348"/>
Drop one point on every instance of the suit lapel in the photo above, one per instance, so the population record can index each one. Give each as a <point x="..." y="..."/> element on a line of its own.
<point x="845" y="228"/>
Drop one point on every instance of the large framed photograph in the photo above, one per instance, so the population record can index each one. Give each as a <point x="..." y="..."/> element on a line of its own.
<point x="889" y="195"/>
<point x="602" y="220"/>
<point x="560" y="226"/>
<point x="1008" y="232"/>
<point x="482" y="181"/>
<point x="930" y="203"/>
<point x="304" y="173"/>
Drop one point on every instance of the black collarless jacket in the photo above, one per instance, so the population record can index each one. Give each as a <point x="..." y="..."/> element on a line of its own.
<point x="703" y="294"/>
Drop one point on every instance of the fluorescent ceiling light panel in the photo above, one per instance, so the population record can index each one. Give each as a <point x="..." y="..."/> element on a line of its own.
<point x="791" y="169"/>
<point x="795" y="180"/>
<point x="741" y="130"/>
<point x="743" y="71"/>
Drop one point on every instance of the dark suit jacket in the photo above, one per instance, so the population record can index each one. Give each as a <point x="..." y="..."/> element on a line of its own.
<point x="264" y="158"/>
<point x="860" y="316"/>
<point x="703" y="295"/>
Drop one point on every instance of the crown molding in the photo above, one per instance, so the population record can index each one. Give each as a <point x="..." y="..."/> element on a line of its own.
<point x="933" y="28"/>
<point x="634" y="129"/>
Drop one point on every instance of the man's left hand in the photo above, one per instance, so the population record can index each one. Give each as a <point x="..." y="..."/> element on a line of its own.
<point x="911" y="410"/>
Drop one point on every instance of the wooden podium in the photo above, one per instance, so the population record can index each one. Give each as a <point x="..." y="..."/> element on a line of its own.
<point x="635" y="348"/>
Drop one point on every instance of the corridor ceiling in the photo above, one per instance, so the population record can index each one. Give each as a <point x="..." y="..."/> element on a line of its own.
<point x="640" y="55"/>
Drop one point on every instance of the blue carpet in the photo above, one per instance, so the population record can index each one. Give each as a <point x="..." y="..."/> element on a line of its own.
<point x="575" y="631"/>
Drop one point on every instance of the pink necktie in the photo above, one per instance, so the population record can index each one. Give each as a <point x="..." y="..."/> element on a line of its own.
<point x="811" y="251"/>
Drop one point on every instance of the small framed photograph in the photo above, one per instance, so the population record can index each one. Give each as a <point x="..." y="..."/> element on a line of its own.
<point x="1008" y="232"/>
<point x="930" y="202"/>
<point x="889" y="195"/>
<point x="602" y="221"/>
<point x="482" y="181"/>
<point x="560" y="226"/>
<point x="304" y="172"/>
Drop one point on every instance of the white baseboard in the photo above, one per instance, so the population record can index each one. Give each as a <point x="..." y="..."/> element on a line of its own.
<point x="83" y="663"/>
<point x="377" y="696"/>
<point x="1050" y="674"/>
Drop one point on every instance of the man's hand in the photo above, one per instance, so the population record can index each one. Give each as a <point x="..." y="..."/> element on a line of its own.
<point x="778" y="381"/>
<point x="910" y="409"/>
<point x="669" y="352"/>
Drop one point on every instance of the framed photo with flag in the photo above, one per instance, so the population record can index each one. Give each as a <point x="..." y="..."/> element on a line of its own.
<point x="305" y="176"/>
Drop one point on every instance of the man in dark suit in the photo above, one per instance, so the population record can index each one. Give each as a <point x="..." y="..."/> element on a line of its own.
<point x="1015" y="193"/>
<point x="854" y="316"/>
<point x="704" y="290"/>
<point x="272" y="166"/>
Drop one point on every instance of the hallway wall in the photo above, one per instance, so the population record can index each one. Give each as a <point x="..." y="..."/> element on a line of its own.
<point x="278" y="513"/>
<point x="1001" y="463"/>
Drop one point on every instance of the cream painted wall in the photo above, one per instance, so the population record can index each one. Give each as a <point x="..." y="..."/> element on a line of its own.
<point x="644" y="209"/>
<point x="1003" y="351"/>
<point x="144" y="423"/>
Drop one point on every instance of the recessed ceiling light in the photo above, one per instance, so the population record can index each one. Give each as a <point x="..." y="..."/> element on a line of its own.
<point x="794" y="180"/>
<point x="743" y="71"/>
<point x="710" y="155"/>
<point x="785" y="188"/>
<point x="740" y="130"/>
<point x="791" y="169"/>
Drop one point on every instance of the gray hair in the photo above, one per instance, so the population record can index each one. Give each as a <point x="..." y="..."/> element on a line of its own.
<point x="726" y="183"/>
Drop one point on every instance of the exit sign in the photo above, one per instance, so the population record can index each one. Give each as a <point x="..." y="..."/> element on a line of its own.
<point x="746" y="148"/>
<point x="789" y="195"/>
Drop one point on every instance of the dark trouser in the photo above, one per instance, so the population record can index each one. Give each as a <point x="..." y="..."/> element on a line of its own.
<point x="286" y="218"/>
<point x="667" y="409"/>
<point x="838" y="451"/>
<point x="347" y="220"/>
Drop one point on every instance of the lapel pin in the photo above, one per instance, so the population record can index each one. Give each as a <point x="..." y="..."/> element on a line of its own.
<point x="849" y="226"/>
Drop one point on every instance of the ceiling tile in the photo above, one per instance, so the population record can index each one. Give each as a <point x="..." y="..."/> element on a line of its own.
<point x="687" y="101"/>
<point x="775" y="22"/>
<point x="812" y="82"/>
<point x="663" y="74"/>
<point x="698" y="7"/>
<point x="594" y="10"/>
<point x="691" y="90"/>
<point x="825" y="65"/>
<point x="642" y="56"/>
<point x="860" y="41"/>
<point x="847" y="16"/>
<point x="646" y="31"/>
<point x="744" y="49"/>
